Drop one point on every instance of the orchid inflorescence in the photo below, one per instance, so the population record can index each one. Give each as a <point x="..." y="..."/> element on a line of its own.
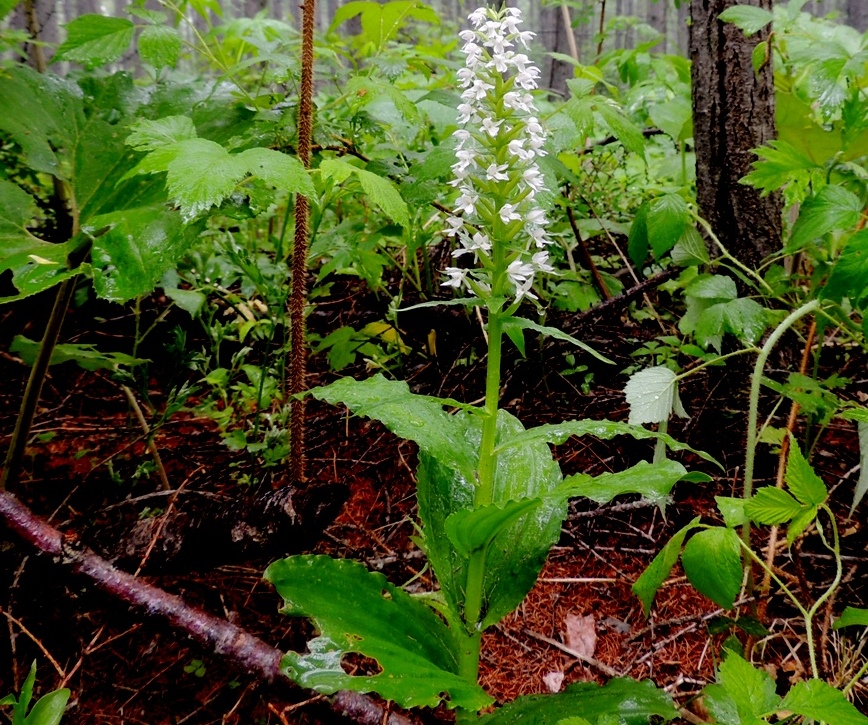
<point x="500" y="222"/>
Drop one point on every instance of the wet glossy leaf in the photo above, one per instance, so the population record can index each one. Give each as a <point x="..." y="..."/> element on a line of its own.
<point x="832" y="208"/>
<point x="49" y="709"/>
<point x="667" y="219"/>
<point x="849" y="277"/>
<point x="17" y="211"/>
<point x="95" y="40"/>
<point x="358" y="611"/>
<point x="732" y="510"/>
<point x="652" y="395"/>
<point x="820" y="701"/>
<point x="86" y="357"/>
<point x="622" y="700"/>
<point x="159" y="46"/>
<point x="851" y="616"/>
<point x="712" y="562"/>
<point x="652" y="481"/>
<point x="520" y="323"/>
<point x="652" y="578"/>
<point x="470" y="530"/>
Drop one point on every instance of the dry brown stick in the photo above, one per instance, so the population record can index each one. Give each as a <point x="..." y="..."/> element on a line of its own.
<point x="601" y="666"/>
<point x="146" y="429"/>
<point x="35" y="641"/>
<point x="586" y="256"/>
<point x="247" y="651"/>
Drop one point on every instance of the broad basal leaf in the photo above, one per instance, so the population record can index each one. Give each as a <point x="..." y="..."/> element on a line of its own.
<point x="357" y="611"/>
<point x="41" y="266"/>
<point x="520" y="323"/>
<point x="557" y="433"/>
<point x="817" y="700"/>
<point x="407" y="415"/>
<point x="623" y="129"/>
<point x="17" y="211"/>
<point x="652" y="481"/>
<point x="95" y="40"/>
<point x="621" y="700"/>
<point x="652" y="395"/>
<point x="86" y="357"/>
<point x="652" y="578"/>
<point x="712" y="562"/>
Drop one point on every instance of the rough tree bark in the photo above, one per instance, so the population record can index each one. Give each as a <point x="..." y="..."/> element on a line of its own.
<point x="733" y="113"/>
<point x="857" y="14"/>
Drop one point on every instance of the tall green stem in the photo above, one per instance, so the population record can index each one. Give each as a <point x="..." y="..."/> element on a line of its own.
<point x="753" y="413"/>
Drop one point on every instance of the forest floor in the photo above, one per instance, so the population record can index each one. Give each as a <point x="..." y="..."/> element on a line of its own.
<point x="84" y="473"/>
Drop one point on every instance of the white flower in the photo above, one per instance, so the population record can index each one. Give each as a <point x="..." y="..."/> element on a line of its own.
<point x="490" y="126"/>
<point x="457" y="277"/>
<point x="540" y="262"/>
<point x="497" y="172"/>
<point x="508" y="213"/>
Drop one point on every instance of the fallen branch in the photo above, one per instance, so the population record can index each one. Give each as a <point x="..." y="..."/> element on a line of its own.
<point x="626" y="297"/>
<point x="247" y="651"/>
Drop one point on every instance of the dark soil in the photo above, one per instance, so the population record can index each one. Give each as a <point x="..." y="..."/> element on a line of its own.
<point x="84" y="473"/>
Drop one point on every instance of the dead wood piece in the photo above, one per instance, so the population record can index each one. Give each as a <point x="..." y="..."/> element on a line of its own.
<point x="247" y="651"/>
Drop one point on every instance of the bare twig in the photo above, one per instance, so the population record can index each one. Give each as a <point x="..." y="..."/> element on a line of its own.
<point x="146" y="429"/>
<point x="602" y="667"/>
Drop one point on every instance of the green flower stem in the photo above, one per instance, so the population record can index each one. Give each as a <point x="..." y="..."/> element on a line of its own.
<point x="753" y="413"/>
<point x="487" y="455"/>
<point x="724" y="254"/>
<point x="719" y="359"/>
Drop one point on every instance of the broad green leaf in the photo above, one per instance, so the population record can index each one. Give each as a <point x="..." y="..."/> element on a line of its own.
<point x="279" y="170"/>
<point x="637" y="241"/>
<point x="409" y="416"/>
<point x="744" y="694"/>
<point x="49" y="709"/>
<point x="41" y="266"/>
<point x="140" y="247"/>
<point x="627" y="701"/>
<point x="805" y="485"/>
<point x="355" y="610"/>
<point x="86" y="357"/>
<point x="652" y="395"/>
<point x="470" y="530"/>
<point x="862" y="483"/>
<point x="667" y="219"/>
<point x="748" y="18"/>
<point x="833" y="208"/>
<point x="518" y="552"/>
<point x="690" y="249"/>
<point x="851" y="616"/>
<point x="849" y="277"/>
<point x="202" y="174"/>
<point x="605" y="430"/>
<point x="745" y="318"/>
<point x="772" y="505"/>
<point x="716" y="287"/>
<point x="159" y="46"/>
<point x="732" y="510"/>
<point x="190" y="301"/>
<point x="674" y="117"/>
<point x="95" y="40"/>
<point x="820" y="701"/>
<point x="658" y="570"/>
<point x="800" y="522"/>
<point x="147" y="135"/>
<point x="380" y="22"/>
<point x="653" y="481"/>
<point x="712" y="562"/>
<point x="17" y="211"/>
<point x="385" y="195"/>
<point x="523" y="324"/>
<point x="623" y="129"/>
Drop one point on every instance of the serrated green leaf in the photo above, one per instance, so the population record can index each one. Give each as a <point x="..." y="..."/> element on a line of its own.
<point x="780" y="164"/>
<point x="203" y="174"/>
<point x="667" y="219"/>
<point x="646" y="586"/>
<point x="557" y="433"/>
<point x="652" y="395"/>
<point x="471" y="530"/>
<point x="806" y="485"/>
<point x="381" y="22"/>
<point x="159" y="46"/>
<point x="748" y="18"/>
<point x="652" y="481"/>
<point x="627" y="132"/>
<point x="849" y="277"/>
<point x="715" y="287"/>
<point x="95" y="40"/>
<point x="382" y="192"/>
<point x="147" y="135"/>
<point x="800" y="522"/>
<point x="409" y="416"/>
<point x="279" y="170"/>
<point x="674" y="117"/>
<point x="772" y="505"/>
<point x="630" y="701"/>
<point x="832" y="208"/>
<point x="744" y="318"/>
<point x="744" y="694"/>
<point x="355" y="610"/>
<point x="523" y="324"/>
<point x="732" y="510"/>
<point x="712" y="562"/>
<point x="851" y="616"/>
<point x="820" y="701"/>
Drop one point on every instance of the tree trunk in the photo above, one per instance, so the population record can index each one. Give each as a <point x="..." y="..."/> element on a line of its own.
<point x="656" y="18"/>
<point x="733" y="113"/>
<point x="857" y="14"/>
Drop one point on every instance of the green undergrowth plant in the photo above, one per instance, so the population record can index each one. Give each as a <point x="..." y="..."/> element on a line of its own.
<point x="47" y="710"/>
<point x="491" y="497"/>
